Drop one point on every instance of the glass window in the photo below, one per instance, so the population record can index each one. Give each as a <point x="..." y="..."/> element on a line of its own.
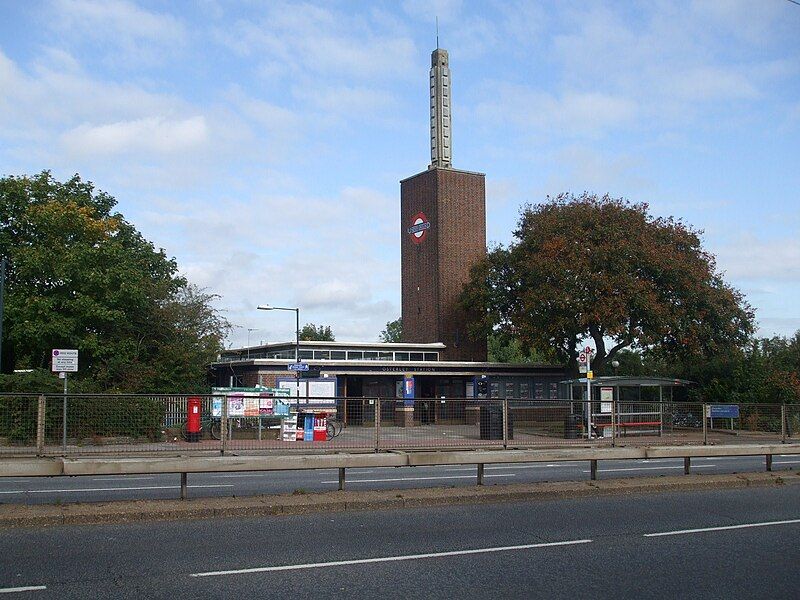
<point x="524" y="390"/>
<point x="509" y="389"/>
<point x="305" y="354"/>
<point x="370" y="356"/>
<point x="322" y="354"/>
<point x="355" y="355"/>
<point x="401" y="355"/>
<point x="338" y="354"/>
<point x="416" y="356"/>
<point x="494" y="389"/>
<point x="385" y="356"/>
<point x="431" y="356"/>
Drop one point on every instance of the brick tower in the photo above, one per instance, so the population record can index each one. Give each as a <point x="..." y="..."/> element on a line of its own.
<point x="443" y="220"/>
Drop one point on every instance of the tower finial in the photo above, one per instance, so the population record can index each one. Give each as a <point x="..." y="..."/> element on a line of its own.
<point x="437" y="32"/>
<point x="440" y="109"/>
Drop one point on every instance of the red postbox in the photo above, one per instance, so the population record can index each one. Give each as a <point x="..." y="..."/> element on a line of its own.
<point x="194" y="408"/>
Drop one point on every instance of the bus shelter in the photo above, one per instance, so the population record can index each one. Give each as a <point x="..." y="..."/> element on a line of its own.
<point x="627" y="404"/>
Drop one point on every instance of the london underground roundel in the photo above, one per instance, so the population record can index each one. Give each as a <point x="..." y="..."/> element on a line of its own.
<point x="419" y="228"/>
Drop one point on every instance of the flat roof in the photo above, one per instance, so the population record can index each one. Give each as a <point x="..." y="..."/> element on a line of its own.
<point x="429" y="169"/>
<point x="341" y="345"/>
<point x="633" y="381"/>
<point x="390" y="367"/>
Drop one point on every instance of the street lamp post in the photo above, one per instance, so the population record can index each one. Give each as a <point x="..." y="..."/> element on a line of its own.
<point x="296" y="341"/>
<point x="2" y="292"/>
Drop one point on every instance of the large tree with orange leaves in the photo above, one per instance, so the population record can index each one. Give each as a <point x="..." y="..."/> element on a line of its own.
<point x="604" y="269"/>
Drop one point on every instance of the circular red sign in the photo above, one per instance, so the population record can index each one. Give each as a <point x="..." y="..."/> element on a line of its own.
<point x="419" y="228"/>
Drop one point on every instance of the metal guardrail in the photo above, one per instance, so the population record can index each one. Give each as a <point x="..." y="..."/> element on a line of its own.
<point x="105" y="424"/>
<point x="53" y="467"/>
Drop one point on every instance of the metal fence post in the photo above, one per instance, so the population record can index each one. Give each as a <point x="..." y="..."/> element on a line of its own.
<point x="377" y="424"/>
<point x="40" y="417"/>
<point x="614" y="421"/>
<point x="783" y="423"/>
<point x="480" y="473"/>
<point x="705" y="424"/>
<point x="505" y="423"/>
<point x="223" y="426"/>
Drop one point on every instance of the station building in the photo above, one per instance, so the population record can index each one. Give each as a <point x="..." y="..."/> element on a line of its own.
<point x="442" y="236"/>
<point x="409" y="379"/>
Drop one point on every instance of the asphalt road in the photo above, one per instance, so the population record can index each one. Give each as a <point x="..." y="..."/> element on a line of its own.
<point x="746" y="547"/>
<point x="131" y="487"/>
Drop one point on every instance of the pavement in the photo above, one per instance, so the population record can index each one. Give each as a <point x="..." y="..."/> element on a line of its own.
<point x="439" y="436"/>
<point x="713" y="543"/>
<point x="64" y="490"/>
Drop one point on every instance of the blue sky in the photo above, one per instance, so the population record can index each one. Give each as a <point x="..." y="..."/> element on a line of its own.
<point x="261" y="143"/>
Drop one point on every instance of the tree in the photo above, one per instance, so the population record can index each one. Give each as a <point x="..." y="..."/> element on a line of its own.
<point x="604" y="269"/>
<point x="393" y="332"/>
<point x="316" y="333"/>
<point x="506" y="349"/>
<point x="80" y="276"/>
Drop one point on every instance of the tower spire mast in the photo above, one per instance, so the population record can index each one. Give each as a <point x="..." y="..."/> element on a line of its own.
<point x="440" y="107"/>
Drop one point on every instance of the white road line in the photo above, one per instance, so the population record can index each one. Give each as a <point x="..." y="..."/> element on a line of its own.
<point x="362" y="561"/>
<point x="726" y="527"/>
<point x="121" y="478"/>
<point x="786" y="462"/>
<point x="571" y="464"/>
<point x="420" y="478"/>
<point x="28" y="588"/>
<point x="652" y="468"/>
<point x="113" y="489"/>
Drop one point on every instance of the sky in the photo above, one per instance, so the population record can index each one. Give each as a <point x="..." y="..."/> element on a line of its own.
<point x="261" y="144"/>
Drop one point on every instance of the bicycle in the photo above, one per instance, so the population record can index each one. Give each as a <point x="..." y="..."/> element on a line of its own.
<point x="211" y="424"/>
<point x="334" y="428"/>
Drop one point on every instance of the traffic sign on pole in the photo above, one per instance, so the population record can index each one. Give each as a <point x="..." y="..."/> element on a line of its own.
<point x="65" y="361"/>
<point x="298" y="366"/>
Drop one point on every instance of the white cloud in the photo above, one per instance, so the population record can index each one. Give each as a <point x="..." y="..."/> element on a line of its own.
<point x="753" y="258"/>
<point x="571" y="113"/>
<point x="152" y="134"/>
<point x="139" y="36"/>
<point x="294" y="39"/>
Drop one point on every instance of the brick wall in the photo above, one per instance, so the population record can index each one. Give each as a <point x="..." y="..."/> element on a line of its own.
<point x="435" y="270"/>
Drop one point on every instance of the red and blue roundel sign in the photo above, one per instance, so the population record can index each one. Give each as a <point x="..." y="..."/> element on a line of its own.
<point x="419" y="228"/>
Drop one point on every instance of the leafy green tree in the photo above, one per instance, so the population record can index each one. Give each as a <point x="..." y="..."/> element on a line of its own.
<point x="316" y="333"/>
<point x="506" y="349"/>
<point x="604" y="269"/>
<point x="393" y="332"/>
<point x="80" y="276"/>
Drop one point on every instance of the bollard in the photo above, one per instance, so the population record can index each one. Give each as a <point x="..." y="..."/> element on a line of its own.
<point x="687" y="463"/>
<point x="480" y="473"/>
<point x="183" y="486"/>
<point x="769" y="462"/>
<point x="341" y="479"/>
<point x="40" y="418"/>
<point x="593" y="469"/>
